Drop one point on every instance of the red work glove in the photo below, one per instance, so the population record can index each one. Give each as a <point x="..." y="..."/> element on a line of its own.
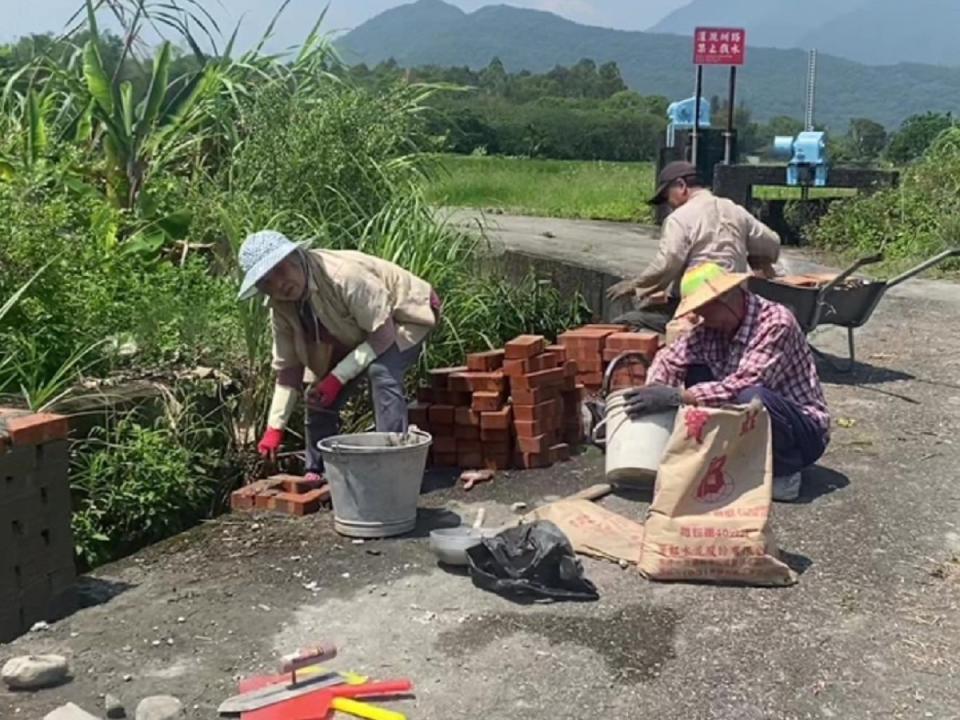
<point x="270" y="443"/>
<point x="326" y="392"/>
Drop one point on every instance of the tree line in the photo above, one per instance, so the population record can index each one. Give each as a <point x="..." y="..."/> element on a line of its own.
<point x="587" y="112"/>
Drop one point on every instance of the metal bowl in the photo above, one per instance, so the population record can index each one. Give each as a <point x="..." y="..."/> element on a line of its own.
<point x="450" y="545"/>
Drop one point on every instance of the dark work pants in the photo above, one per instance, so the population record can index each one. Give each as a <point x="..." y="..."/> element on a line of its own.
<point x="797" y="440"/>
<point x="386" y="375"/>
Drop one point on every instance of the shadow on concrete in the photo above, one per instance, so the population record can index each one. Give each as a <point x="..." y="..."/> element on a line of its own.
<point x="796" y="562"/>
<point x="435" y="479"/>
<point x="433" y="519"/>
<point x="860" y="373"/>
<point x="93" y="591"/>
<point x="819" y="481"/>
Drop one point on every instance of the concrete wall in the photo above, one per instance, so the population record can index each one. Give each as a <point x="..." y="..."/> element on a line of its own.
<point x="37" y="571"/>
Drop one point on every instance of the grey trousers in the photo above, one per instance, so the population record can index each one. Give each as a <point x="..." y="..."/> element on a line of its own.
<point x="650" y="317"/>
<point x="386" y="375"/>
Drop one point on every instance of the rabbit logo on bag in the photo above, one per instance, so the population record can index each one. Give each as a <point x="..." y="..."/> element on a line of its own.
<point x="715" y="485"/>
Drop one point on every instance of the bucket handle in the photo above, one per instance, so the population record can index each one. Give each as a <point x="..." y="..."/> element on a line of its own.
<point x="593" y="433"/>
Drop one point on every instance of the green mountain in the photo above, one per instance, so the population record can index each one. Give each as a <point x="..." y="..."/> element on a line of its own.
<point x="433" y="32"/>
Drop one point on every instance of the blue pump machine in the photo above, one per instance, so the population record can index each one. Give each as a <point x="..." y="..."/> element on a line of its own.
<point x="808" y="160"/>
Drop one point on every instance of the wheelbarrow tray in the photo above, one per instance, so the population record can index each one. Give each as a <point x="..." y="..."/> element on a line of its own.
<point x="847" y="306"/>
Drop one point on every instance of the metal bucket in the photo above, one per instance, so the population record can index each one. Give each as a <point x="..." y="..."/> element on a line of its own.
<point x="635" y="446"/>
<point x="375" y="481"/>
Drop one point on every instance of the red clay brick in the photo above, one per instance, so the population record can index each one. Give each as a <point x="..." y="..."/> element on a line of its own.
<point x="487" y="401"/>
<point x="264" y="500"/>
<point x="544" y="378"/>
<point x="524" y="346"/>
<point x="440" y="376"/>
<point x="529" y="461"/>
<point x="466" y="416"/>
<point x="612" y="327"/>
<point x="497" y="462"/>
<point x="552" y="359"/>
<point x="425" y="394"/>
<point x="300" y="504"/>
<point x="35" y="428"/>
<point x="537" y="444"/>
<point x="447" y="460"/>
<point x="534" y="396"/>
<point x="442" y="430"/>
<point x="469" y="446"/>
<point x="469" y="460"/>
<point x="558" y="350"/>
<point x="535" y="412"/>
<point x="240" y="500"/>
<point x="295" y="483"/>
<point x="560" y="452"/>
<point x="466" y="432"/>
<point x="444" y="445"/>
<point x="441" y="415"/>
<point x="591" y="365"/>
<point x="515" y="368"/>
<point x="499" y="420"/>
<point x="478" y="381"/>
<point x="418" y="414"/>
<point x="534" y="428"/>
<point x="627" y="376"/>
<point x="485" y="361"/>
<point x="590" y="379"/>
<point x="495" y="436"/>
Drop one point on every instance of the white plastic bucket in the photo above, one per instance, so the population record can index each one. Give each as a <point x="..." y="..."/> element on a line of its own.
<point x="634" y="447"/>
<point x="375" y="481"/>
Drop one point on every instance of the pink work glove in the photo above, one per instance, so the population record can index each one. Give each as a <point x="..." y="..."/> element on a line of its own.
<point x="325" y="393"/>
<point x="270" y="442"/>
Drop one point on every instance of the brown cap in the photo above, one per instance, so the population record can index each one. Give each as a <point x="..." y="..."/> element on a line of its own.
<point x="677" y="170"/>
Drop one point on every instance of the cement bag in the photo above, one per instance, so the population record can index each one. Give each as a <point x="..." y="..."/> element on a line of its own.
<point x="593" y="530"/>
<point x="709" y="520"/>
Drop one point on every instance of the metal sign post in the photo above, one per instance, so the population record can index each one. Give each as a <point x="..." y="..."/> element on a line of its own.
<point x="719" y="46"/>
<point x="695" y="136"/>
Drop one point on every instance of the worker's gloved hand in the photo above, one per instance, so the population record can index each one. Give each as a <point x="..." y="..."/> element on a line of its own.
<point x="270" y="443"/>
<point x="621" y="289"/>
<point x="325" y="393"/>
<point x="651" y="399"/>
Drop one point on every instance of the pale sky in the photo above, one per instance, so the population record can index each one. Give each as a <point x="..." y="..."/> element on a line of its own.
<point x="50" y="15"/>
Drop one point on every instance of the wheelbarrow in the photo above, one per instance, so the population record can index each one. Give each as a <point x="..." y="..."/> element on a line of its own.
<point x="848" y="305"/>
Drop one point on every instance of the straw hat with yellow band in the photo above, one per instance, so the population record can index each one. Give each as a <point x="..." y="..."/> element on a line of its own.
<point x="704" y="284"/>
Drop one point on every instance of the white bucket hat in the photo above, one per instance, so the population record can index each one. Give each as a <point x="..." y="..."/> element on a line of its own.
<point x="259" y="254"/>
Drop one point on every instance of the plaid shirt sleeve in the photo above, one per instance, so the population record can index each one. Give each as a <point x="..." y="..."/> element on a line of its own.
<point x="670" y="365"/>
<point x="761" y="365"/>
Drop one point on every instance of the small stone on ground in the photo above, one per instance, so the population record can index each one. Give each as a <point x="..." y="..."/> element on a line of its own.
<point x="114" y="708"/>
<point x="160" y="707"/>
<point x="69" y="712"/>
<point x="32" y="672"/>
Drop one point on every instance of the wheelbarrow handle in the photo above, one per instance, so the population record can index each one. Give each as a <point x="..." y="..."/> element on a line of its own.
<point x="936" y="260"/>
<point x="862" y="262"/>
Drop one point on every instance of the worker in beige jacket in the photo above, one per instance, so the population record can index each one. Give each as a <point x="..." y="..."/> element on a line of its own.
<point x="337" y="316"/>
<point x="701" y="229"/>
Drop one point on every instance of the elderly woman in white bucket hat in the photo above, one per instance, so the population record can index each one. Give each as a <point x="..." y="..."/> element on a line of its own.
<point x="337" y="316"/>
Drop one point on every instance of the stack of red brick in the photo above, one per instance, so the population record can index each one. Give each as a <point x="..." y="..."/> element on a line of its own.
<point x="516" y="407"/>
<point x="594" y="347"/>
<point x="287" y="494"/>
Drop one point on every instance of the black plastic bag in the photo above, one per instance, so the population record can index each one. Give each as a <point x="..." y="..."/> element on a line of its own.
<point x="530" y="560"/>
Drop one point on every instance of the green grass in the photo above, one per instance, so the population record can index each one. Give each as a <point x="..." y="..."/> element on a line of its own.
<point x="551" y="188"/>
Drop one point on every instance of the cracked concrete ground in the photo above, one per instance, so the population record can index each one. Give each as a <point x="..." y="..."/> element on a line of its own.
<point x="872" y="630"/>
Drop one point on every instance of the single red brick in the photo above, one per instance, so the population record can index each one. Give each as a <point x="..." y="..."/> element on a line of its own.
<point x="535" y="412"/>
<point x="499" y="420"/>
<point x="263" y="500"/>
<point x="439" y="376"/>
<point x="497" y="462"/>
<point x="445" y="460"/>
<point x="466" y="432"/>
<point x="469" y="446"/>
<point x="418" y="414"/>
<point x="296" y="483"/>
<point x="590" y="379"/>
<point x="530" y="461"/>
<point x="524" y="346"/>
<point x="534" y="428"/>
<point x="487" y="401"/>
<point x="441" y="415"/>
<point x="443" y="430"/>
<point x="425" y="394"/>
<point x="467" y="416"/>
<point x="301" y="504"/>
<point x="627" y="377"/>
<point x="515" y="368"/>
<point x="485" y="361"/>
<point x="611" y="327"/>
<point x="643" y="341"/>
<point x="469" y="460"/>
<point x="551" y="359"/>
<point x="535" y="444"/>
<point x="498" y="450"/>
<point x="479" y="381"/>
<point x="560" y="452"/>
<point x="444" y="445"/>
<point x="591" y="365"/>
<point x="559" y="350"/>
<point x="534" y="396"/>
<point x="35" y="428"/>
<point x="544" y="378"/>
<point x="495" y="436"/>
<point x="458" y="383"/>
<point x="240" y="500"/>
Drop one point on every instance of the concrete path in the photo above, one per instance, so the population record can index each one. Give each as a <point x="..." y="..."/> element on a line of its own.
<point x="872" y="630"/>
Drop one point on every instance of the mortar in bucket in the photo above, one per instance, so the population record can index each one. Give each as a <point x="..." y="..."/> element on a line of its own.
<point x="633" y="446"/>
<point x="375" y="481"/>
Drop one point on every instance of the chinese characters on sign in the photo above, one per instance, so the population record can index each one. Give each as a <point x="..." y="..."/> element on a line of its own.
<point x="719" y="46"/>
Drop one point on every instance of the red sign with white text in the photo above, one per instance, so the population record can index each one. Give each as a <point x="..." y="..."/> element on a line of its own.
<point x="719" y="46"/>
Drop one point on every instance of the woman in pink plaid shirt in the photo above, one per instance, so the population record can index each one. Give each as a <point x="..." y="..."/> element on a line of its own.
<point x="743" y="347"/>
